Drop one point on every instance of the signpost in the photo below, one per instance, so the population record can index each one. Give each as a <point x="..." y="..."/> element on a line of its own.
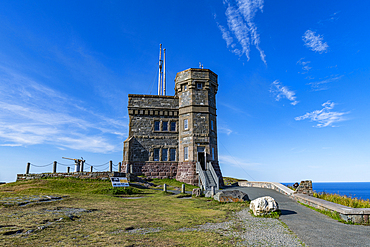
<point x="119" y="182"/>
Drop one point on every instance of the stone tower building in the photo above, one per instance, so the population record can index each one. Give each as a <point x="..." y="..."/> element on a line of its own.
<point x="169" y="135"/>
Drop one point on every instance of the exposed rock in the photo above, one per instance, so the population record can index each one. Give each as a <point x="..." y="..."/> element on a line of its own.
<point x="231" y="196"/>
<point x="197" y="192"/>
<point x="208" y="194"/>
<point x="263" y="205"/>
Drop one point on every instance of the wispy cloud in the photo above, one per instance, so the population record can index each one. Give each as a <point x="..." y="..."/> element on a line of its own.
<point x="31" y="113"/>
<point x="305" y="65"/>
<point x="321" y="85"/>
<point x="325" y="117"/>
<point x="314" y="42"/>
<point x="229" y="160"/>
<point x="281" y="91"/>
<point x="240" y="21"/>
<point x="225" y="130"/>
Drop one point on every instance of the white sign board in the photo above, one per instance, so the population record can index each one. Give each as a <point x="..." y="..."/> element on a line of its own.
<point x="119" y="182"/>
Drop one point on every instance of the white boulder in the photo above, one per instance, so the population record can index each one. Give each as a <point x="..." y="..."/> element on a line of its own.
<point x="263" y="205"/>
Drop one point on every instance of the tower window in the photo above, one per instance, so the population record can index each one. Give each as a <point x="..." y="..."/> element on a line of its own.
<point x="199" y="85"/>
<point x="186" y="157"/>
<point x="156" y="154"/>
<point x="173" y="126"/>
<point x="211" y="124"/>
<point x="186" y="124"/>
<point x="165" y="126"/>
<point x="164" y="154"/>
<point x="156" y="125"/>
<point x="213" y="153"/>
<point x="185" y="87"/>
<point x="173" y="154"/>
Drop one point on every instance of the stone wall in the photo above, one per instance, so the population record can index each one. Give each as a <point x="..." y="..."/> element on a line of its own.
<point x="305" y="187"/>
<point x="153" y="169"/>
<point x="80" y="175"/>
<point x="186" y="173"/>
<point x="144" y="110"/>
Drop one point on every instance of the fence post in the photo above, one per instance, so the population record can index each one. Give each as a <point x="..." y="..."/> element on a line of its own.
<point x="55" y="167"/>
<point x="110" y="166"/>
<point x="119" y="166"/>
<point x="131" y="168"/>
<point x="165" y="187"/>
<point x="28" y="168"/>
<point x="183" y="188"/>
<point x="91" y="168"/>
<point x="68" y="169"/>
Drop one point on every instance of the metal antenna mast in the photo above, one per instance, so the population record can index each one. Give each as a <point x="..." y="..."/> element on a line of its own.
<point x="164" y="71"/>
<point x="160" y="71"/>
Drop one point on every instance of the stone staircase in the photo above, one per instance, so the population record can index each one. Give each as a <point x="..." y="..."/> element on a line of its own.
<point x="208" y="178"/>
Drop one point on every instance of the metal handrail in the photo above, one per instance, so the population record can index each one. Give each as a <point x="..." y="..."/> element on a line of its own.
<point x="201" y="175"/>
<point x="214" y="175"/>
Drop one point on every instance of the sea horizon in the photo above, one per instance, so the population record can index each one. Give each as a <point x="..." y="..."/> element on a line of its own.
<point x="360" y="190"/>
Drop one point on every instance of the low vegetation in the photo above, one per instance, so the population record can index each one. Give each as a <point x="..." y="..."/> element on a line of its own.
<point x="343" y="200"/>
<point x="230" y="181"/>
<point x="93" y="213"/>
<point x="273" y="214"/>
<point x="331" y="214"/>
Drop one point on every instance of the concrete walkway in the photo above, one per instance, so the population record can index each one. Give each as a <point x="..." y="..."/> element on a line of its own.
<point x="313" y="228"/>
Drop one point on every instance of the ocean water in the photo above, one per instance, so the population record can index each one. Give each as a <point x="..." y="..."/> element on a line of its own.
<point x="359" y="190"/>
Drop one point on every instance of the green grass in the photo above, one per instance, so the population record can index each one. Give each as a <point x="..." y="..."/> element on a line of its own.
<point x="343" y="200"/>
<point x="274" y="214"/>
<point x="229" y="181"/>
<point x="108" y="215"/>
<point x="331" y="214"/>
<point x="172" y="183"/>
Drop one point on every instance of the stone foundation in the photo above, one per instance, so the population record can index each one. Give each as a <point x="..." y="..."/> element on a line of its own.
<point x="186" y="172"/>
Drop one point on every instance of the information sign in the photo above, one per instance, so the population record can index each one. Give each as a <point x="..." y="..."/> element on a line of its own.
<point x="119" y="182"/>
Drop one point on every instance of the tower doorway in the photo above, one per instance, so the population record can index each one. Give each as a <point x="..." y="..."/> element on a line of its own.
<point x="202" y="157"/>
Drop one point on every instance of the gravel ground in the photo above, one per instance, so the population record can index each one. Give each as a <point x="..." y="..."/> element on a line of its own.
<point x="253" y="231"/>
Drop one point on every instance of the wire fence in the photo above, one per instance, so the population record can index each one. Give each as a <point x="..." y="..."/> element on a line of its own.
<point x="78" y="167"/>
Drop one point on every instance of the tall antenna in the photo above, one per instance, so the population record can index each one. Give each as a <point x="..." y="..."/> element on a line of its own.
<point x="160" y="71"/>
<point x="164" y="71"/>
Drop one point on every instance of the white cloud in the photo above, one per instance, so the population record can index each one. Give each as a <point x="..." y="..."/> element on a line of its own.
<point x="305" y="65"/>
<point x="225" y="35"/>
<point x="224" y="130"/>
<point x="314" y="42"/>
<point x="31" y="114"/>
<point x="229" y="160"/>
<point x="325" y="117"/>
<point x="281" y="91"/>
<point x="240" y="20"/>
<point x="320" y="85"/>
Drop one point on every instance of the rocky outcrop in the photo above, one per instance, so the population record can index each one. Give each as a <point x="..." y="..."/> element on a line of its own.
<point x="231" y="196"/>
<point x="196" y="192"/>
<point x="263" y="205"/>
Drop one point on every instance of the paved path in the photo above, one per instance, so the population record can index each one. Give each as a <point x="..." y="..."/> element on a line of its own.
<point x="313" y="228"/>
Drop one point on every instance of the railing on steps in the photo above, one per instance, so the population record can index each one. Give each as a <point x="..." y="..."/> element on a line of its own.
<point x="214" y="175"/>
<point x="202" y="176"/>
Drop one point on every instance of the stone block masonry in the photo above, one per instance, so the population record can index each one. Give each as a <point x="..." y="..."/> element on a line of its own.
<point x="305" y="187"/>
<point x="168" y="135"/>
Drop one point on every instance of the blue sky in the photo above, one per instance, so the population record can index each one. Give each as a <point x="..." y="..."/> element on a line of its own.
<point x="293" y="81"/>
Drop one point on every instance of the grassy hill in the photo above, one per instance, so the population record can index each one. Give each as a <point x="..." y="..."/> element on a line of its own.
<point x="90" y="212"/>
